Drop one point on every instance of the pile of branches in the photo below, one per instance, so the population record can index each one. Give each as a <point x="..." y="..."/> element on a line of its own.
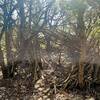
<point x="67" y="75"/>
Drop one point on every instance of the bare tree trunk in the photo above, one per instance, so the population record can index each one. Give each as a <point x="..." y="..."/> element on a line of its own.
<point x="7" y="30"/>
<point x="81" y="33"/>
<point x="81" y="66"/>
<point x="8" y="46"/>
<point x="48" y="45"/>
<point x="22" y="30"/>
<point x="35" y="59"/>
<point x="2" y="64"/>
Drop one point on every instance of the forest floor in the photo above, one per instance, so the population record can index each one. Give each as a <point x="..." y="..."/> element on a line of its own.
<point x="13" y="91"/>
<point x="22" y="88"/>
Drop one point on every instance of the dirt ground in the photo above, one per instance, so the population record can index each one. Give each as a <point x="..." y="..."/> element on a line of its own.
<point x="22" y="89"/>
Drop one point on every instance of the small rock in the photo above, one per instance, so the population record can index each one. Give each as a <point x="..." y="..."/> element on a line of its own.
<point x="0" y="96"/>
<point x="2" y="88"/>
<point x="36" y="86"/>
<point x="40" y="89"/>
<point x="90" y="98"/>
<point x="45" y="97"/>
<point x="40" y="81"/>
<point x="46" y="90"/>
<point x="40" y="98"/>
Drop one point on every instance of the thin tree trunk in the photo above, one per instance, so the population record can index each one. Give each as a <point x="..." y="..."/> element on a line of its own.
<point x="81" y="33"/>
<point x="2" y="64"/>
<point x="21" y="30"/>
